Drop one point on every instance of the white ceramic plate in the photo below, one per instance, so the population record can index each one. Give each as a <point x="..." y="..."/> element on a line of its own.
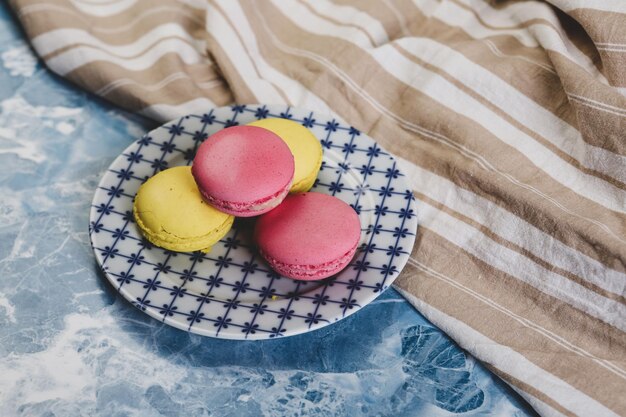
<point x="231" y="292"/>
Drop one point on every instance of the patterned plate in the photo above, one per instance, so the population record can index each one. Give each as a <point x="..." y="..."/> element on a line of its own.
<point x="231" y="292"/>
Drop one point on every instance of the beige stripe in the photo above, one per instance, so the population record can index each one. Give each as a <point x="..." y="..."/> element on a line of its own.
<point x="403" y="21"/>
<point x="451" y="124"/>
<point x="383" y="14"/>
<point x="503" y="113"/>
<point x="278" y="89"/>
<point x="507" y="58"/>
<point x="565" y="25"/>
<point x="166" y="65"/>
<point x="525" y="24"/>
<point x="608" y="31"/>
<point x="511" y="228"/>
<point x="123" y="30"/>
<point x="597" y="125"/>
<point x="521" y="267"/>
<point x="173" y="111"/>
<point x="525" y="79"/>
<point x="524" y="16"/>
<point x="538" y="351"/>
<point x="115" y="8"/>
<point x="108" y="51"/>
<point x="241" y="92"/>
<point x="571" y="230"/>
<point x="614" y="61"/>
<point x="294" y="91"/>
<point x="165" y="82"/>
<point x="133" y="97"/>
<point x="540" y="311"/>
<point x="487" y="232"/>
<point x="529" y="389"/>
<point x="175" y="92"/>
<point x="133" y="8"/>
<point x="337" y="22"/>
<point x="502" y="356"/>
<point x="520" y="73"/>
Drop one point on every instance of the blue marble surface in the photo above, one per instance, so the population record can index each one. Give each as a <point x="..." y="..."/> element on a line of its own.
<point x="70" y="346"/>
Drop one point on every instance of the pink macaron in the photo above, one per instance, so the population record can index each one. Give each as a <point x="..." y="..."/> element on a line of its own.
<point x="243" y="170"/>
<point x="309" y="236"/>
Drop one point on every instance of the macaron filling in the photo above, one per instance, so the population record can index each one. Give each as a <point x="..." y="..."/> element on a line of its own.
<point x="310" y="272"/>
<point x="248" y="209"/>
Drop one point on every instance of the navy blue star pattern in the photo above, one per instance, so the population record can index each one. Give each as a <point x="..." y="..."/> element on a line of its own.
<point x="230" y="291"/>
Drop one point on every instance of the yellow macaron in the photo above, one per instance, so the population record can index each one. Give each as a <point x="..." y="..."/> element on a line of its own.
<point x="305" y="147"/>
<point x="171" y="213"/>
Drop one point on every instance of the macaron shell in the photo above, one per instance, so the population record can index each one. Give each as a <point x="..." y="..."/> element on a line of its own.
<point x="171" y="213"/>
<point x="243" y="165"/>
<point x="305" y="147"/>
<point x="308" y="231"/>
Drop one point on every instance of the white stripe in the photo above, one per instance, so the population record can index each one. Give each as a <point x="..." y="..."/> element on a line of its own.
<point x="452" y="97"/>
<point x="324" y="27"/>
<point x="384" y="111"/>
<point x="77" y="57"/>
<point x="606" y="107"/>
<point x="549" y="37"/>
<point x="351" y="16"/>
<point x="194" y="4"/>
<point x="222" y="32"/>
<point x="444" y="92"/>
<point x="517" y="265"/>
<point x="602" y="5"/>
<point x="595" y="106"/>
<point x="35" y="8"/>
<point x="610" y="49"/>
<point x="618" y="45"/>
<point x="513" y="363"/>
<point x="497" y="52"/>
<point x="103" y="10"/>
<point x="51" y="41"/>
<point x="401" y="20"/>
<point x="166" y="112"/>
<point x="156" y="86"/>
<point x="142" y="16"/>
<point x="553" y="337"/>
<point x="454" y="15"/>
<point x="347" y="32"/>
<point x="296" y="93"/>
<point x="512" y="228"/>
<point x="97" y="1"/>
<point x="542" y="408"/>
<point x="211" y="84"/>
<point x="517" y="105"/>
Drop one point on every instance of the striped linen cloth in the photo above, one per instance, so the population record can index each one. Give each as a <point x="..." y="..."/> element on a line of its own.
<point x="509" y="118"/>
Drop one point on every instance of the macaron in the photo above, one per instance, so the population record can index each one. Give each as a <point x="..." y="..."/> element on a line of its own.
<point x="305" y="147"/>
<point x="244" y="170"/>
<point x="171" y="213"/>
<point x="309" y="236"/>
